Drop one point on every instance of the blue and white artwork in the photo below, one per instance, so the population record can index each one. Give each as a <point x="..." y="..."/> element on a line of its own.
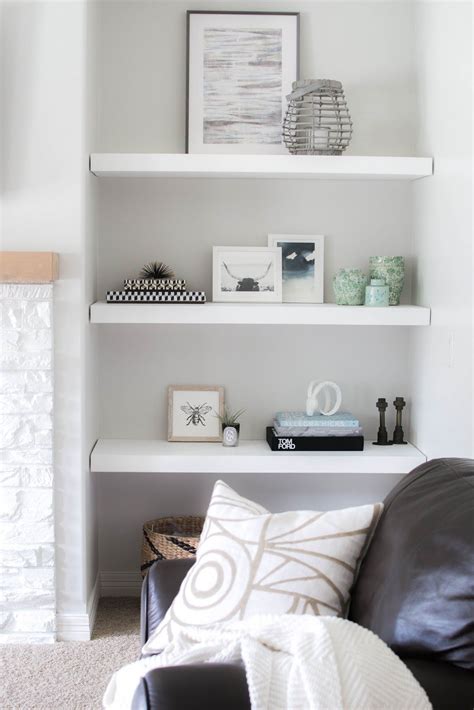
<point x="242" y="85"/>
<point x="302" y="263"/>
<point x="297" y="263"/>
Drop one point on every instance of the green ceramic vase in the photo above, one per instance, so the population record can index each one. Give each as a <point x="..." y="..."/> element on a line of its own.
<point x="349" y="287"/>
<point x="392" y="270"/>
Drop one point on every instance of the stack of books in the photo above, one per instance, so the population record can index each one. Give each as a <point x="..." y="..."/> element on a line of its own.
<point x="296" y="431"/>
<point x="155" y="291"/>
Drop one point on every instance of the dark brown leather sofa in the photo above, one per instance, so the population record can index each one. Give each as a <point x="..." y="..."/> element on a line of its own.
<point x="415" y="590"/>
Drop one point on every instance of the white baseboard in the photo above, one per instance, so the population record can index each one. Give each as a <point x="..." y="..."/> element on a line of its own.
<point x="120" y="584"/>
<point x="73" y="627"/>
<point x="79" y="627"/>
<point x="93" y="603"/>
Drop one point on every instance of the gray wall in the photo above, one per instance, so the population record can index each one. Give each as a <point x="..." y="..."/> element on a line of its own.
<point x="141" y="94"/>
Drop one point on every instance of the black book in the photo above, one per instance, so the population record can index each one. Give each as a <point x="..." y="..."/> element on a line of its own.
<point x="313" y="443"/>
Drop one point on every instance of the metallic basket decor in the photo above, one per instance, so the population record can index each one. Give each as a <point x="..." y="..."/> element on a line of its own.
<point x="317" y="120"/>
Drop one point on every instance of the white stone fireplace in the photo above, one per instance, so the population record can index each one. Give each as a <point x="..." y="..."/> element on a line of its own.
<point x="27" y="559"/>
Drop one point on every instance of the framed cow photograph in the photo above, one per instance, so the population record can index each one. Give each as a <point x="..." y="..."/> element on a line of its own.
<point x="193" y="412"/>
<point x="246" y="274"/>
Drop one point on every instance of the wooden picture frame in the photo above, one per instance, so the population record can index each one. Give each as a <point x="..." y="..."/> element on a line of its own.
<point x="188" y="412"/>
<point x="235" y="88"/>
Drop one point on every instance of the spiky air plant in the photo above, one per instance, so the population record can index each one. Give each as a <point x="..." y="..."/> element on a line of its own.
<point x="230" y="418"/>
<point x="156" y="270"/>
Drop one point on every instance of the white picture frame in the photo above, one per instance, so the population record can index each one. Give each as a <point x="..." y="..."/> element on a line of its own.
<point x="235" y="101"/>
<point x="192" y="412"/>
<point x="301" y="285"/>
<point x="246" y="275"/>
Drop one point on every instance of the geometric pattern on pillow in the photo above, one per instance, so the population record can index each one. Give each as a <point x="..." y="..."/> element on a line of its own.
<point x="250" y="561"/>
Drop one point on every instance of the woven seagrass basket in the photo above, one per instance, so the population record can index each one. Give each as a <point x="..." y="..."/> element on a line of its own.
<point x="170" y="538"/>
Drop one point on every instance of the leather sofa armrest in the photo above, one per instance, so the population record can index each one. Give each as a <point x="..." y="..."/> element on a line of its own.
<point x="212" y="686"/>
<point x="159" y="588"/>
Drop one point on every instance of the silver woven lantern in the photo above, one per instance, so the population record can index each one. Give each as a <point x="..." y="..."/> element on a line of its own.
<point x="317" y="120"/>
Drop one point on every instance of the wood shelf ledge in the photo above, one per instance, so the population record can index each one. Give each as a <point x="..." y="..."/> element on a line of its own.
<point x="28" y="267"/>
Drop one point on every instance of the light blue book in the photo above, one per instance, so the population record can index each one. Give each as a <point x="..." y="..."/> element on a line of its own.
<point x="317" y="430"/>
<point x="301" y="419"/>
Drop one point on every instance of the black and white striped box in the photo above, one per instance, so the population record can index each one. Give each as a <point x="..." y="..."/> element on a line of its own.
<point x="154" y="285"/>
<point x="156" y="297"/>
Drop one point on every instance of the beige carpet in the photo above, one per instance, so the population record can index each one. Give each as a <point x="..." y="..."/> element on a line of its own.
<point x="74" y="675"/>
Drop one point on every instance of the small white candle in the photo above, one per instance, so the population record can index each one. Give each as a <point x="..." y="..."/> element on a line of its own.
<point x="318" y="138"/>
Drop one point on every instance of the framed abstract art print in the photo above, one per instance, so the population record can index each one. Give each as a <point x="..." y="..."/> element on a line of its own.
<point x="241" y="66"/>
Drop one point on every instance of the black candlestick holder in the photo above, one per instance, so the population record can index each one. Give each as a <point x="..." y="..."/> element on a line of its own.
<point x="398" y="435"/>
<point x="382" y="434"/>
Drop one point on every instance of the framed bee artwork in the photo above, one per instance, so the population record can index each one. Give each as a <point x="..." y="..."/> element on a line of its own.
<point x="193" y="412"/>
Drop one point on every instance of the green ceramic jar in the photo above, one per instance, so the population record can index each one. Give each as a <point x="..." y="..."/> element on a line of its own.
<point x="376" y="294"/>
<point x="392" y="270"/>
<point x="349" y="287"/>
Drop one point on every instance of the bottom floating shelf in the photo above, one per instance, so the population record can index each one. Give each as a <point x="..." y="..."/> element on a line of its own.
<point x="154" y="456"/>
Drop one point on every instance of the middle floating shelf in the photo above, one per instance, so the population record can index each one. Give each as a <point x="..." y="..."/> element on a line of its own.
<point x="255" y="314"/>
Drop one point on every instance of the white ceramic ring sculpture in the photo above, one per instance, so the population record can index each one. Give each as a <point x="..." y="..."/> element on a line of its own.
<point x="312" y="403"/>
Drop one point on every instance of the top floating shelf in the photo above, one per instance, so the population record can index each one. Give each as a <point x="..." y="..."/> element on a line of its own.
<point x="320" y="167"/>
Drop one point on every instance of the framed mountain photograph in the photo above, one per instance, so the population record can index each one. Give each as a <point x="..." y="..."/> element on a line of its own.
<point x="302" y="267"/>
<point x="241" y="66"/>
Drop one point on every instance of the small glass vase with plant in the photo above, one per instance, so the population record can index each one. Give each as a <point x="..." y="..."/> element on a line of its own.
<point x="230" y="426"/>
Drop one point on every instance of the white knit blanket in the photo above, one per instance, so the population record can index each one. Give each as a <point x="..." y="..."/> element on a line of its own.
<point x="292" y="663"/>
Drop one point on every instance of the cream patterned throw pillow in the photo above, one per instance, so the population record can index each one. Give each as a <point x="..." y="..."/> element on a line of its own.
<point x="252" y="562"/>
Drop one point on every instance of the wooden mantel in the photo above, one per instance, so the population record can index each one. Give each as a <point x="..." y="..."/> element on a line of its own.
<point x="28" y="267"/>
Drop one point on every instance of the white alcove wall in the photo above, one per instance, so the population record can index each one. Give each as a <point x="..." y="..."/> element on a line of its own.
<point x="121" y="535"/>
<point x="48" y="114"/>
<point x="141" y="108"/>
<point x="442" y="355"/>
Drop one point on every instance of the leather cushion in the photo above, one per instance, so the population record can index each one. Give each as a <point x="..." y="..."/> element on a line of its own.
<point x="219" y="685"/>
<point x="416" y="584"/>
<point x="159" y="588"/>
<point x="213" y="686"/>
<point x="448" y="687"/>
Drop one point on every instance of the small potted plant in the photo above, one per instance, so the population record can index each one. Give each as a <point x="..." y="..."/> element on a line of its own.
<point x="230" y="426"/>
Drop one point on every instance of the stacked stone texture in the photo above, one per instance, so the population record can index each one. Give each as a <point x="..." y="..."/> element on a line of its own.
<point x="27" y="585"/>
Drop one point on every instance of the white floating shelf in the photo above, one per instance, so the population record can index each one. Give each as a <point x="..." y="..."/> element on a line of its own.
<point x="256" y="314"/>
<point x="150" y="456"/>
<point x="319" y="167"/>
